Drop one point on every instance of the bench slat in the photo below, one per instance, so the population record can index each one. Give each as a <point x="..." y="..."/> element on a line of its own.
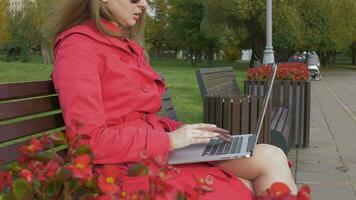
<point x="219" y="112"/>
<point x="29" y="106"/>
<point x="275" y="118"/>
<point x="236" y="110"/>
<point x="30" y="127"/>
<point x="245" y="116"/>
<point x="219" y="80"/>
<point x="282" y="118"/>
<point x="11" y="153"/>
<point x="227" y="114"/>
<point x="26" y="89"/>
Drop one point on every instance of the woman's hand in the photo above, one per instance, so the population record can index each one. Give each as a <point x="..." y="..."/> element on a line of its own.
<point x="196" y="133"/>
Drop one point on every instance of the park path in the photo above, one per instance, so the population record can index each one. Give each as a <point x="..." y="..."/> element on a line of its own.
<point x="328" y="166"/>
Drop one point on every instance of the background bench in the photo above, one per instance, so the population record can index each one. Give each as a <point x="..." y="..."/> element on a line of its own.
<point x="281" y="121"/>
<point x="28" y="109"/>
<point x="221" y="81"/>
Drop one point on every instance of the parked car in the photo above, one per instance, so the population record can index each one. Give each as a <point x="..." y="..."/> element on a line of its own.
<point x="297" y="58"/>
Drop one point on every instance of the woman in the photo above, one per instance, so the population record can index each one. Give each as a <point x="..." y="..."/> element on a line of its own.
<point x="109" y="95"/>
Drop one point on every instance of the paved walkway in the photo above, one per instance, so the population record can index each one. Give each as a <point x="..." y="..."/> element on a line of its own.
<point x="328" y="166"/>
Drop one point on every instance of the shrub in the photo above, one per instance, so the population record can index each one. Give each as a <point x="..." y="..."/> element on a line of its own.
<point x="45" y="175"/>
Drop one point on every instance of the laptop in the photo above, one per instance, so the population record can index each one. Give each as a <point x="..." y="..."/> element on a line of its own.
<point x="241" y="146"/>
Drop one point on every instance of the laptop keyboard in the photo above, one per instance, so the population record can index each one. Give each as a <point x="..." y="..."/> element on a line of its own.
<point x="217" y="146"/>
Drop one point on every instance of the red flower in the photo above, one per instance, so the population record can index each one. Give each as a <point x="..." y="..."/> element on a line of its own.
<point x="81" y="167"/>
<point x="279" y="189"/>
<point x="108" y="179"/>
<point x="304" y="193"/>
<point x="27" y="175"/>
<point x="285" y="71"/>
<point x="34" y="147"/>
<point x="35" y="166"/>
<point x="5" y="179"/>
<point x="51" y="168"/>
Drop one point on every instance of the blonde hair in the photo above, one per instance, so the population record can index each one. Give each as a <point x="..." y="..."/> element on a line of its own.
<point x="74" y="12"/>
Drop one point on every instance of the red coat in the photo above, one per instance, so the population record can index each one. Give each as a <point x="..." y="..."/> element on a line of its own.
<point x="109" y="94"/>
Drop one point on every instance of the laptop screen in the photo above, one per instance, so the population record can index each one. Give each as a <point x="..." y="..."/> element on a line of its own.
<point x="265" y="101"/>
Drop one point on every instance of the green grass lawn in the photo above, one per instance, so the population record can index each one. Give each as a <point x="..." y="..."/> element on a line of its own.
<point x="180" y="77"/>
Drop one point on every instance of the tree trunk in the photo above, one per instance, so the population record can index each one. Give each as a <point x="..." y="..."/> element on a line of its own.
<point x="210" y="55"/>
<point x="323" y="58"/>
<point x="45" y="51"/>
<point x="353" y="52"/>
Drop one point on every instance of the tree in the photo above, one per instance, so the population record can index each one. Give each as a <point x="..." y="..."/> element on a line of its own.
<point x="241" y="19"/>
<point x="156" y="28"/>
<point x="36" y="14"/>
<point x="25" y="28"/>
<point x="185" y="18"/>
<point x="327" y="29"/>
<point x="4" y="34"/>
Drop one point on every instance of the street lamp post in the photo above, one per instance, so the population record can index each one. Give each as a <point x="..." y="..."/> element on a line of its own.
<point x="268" y="54"/>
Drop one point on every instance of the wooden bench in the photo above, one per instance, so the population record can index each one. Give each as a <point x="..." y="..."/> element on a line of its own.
<point x="280" y="127"/>
<point x="221" y="81"/>
<point x="28" y="109"/>
<point x="217" y="81"/>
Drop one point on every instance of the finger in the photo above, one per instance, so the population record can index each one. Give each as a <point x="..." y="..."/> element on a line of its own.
<point x="204" y="134"/>
<point x="200" y="140"/>
<point x="214" y="129"/>
<point x="225" y="138"/>
<point x="203" y="125"/>
<point x="227" y="135"/>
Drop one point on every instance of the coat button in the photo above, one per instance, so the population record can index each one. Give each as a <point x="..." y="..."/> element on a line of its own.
<point x="209" y="179"/>
<point x="124" y="59"/>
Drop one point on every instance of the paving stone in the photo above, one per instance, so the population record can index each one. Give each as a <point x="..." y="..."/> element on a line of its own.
<point x="351" y="171"/>
<point x="331" y="192"/>
<point x="348" y="155"/>
<point x="322" y="173"/>
<point x="318" y="154"/>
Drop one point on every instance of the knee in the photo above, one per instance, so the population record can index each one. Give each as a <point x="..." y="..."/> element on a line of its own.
<point x="271" y="154"/>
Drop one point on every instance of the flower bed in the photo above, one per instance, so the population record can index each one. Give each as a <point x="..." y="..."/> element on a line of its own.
<point x="45" y="175"/>
<point x="286" y="71"/>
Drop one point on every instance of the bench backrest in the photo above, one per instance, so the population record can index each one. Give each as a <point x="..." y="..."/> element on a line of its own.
<point x="217" y="81"/>
<point x="28" y="109"/>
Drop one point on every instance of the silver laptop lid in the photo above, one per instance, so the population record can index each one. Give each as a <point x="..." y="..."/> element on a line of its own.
<point x="265" y="102"/>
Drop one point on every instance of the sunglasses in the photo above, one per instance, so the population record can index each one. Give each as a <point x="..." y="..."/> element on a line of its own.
<point x="138" y="1"/>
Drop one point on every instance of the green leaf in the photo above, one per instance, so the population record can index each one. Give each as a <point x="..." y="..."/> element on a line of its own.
<point x="83" y="150"/>
<point x="7" y="196"/>
<point x="65" y="174"/>
<point x="37" y="184"/>
<point x="22" y="190"/>
<point x="138" y="169"/>
<point x="180" y="196"/>
<point x="58" y="138"/>
<point x="90" y="183"/>
<point x="73" y="185"/>
<point x="54" y="187"/>
<point x="44" y="156"/>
